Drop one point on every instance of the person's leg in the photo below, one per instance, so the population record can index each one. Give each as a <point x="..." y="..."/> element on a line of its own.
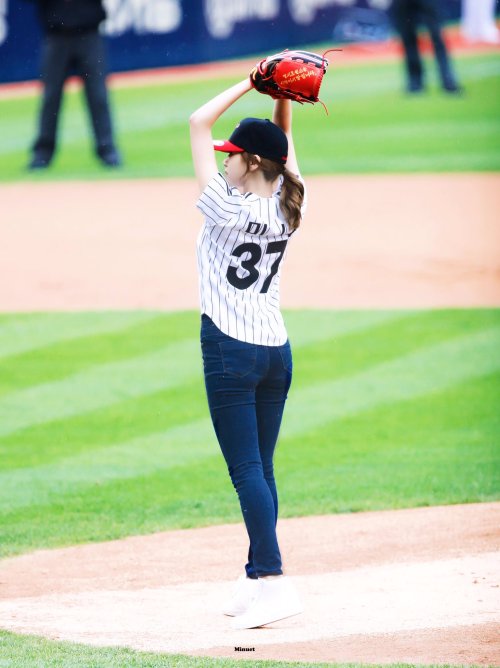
<point x="431" y="19"/>
<point x="232" y="372"/>
<point x="56" y="55"/>
<point x="93" y="68"/>
<point x="237" y="433"/>
<point x="273" y="596"/>
<point x="271" y="396"/>
<point x="405" y="21"/>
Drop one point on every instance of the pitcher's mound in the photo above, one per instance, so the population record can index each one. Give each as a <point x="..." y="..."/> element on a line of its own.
<point x="412" y="586"/>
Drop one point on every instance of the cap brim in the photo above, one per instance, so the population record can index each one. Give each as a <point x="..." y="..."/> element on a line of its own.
<point x="226" y="147"/>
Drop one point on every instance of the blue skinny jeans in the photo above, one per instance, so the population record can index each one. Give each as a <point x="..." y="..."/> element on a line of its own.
<point x="247" y="386"/>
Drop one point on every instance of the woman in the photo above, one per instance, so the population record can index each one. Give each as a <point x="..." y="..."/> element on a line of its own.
<point x="250" y="214"/>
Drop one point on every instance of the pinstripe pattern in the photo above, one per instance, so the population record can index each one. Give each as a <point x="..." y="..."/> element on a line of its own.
<point x="241" y="247"/>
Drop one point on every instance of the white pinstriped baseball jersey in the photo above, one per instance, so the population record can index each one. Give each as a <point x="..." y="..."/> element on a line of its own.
<point x="241" y="247"/>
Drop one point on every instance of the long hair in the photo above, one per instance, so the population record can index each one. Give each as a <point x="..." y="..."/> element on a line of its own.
<point x="292" y="189"/>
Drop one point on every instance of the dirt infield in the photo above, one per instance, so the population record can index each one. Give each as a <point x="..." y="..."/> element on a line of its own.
<point x="123" y="245"/>
<point x="416" y="585"/>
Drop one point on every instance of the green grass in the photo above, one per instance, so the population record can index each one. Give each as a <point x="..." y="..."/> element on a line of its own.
<point x="372" y="126"/>
<point x="32" y="651"/>
<point x="388" y="409"/>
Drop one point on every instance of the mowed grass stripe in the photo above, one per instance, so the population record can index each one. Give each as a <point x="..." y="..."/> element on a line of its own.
<point x="336" y="356"/>
<point x="173" y="447"/>
<point x="120" y="422"/>
<point x="451" y="434"/>
<point x="106" y="384"/>
<point x="436" y="449"/>
<point x="429" y="370"/>
<point x="64" y="358"/>
<point x="100" y="386"/>
<point x="21" y="333"/>
<point x="79" y="344"/>
<point x="152" y="412"/>
<point x="308" y="327"/>
<point x="439" y="448"/>
<point x="343" y="356"/>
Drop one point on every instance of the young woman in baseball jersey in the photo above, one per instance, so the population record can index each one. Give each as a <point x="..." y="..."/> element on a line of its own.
<point x="250" y="214"/>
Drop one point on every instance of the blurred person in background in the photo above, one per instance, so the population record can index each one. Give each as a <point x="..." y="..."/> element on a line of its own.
<point x="478" y="21"/>
<point x="72" y="42"/>
<point x="407" y="16"/>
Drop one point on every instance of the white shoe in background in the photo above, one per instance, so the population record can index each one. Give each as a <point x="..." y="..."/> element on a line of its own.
<point x="276" y="599"/>
<point x="245" y="590"/>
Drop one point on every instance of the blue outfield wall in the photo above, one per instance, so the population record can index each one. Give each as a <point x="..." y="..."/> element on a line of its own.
<point x="160" y="33"/>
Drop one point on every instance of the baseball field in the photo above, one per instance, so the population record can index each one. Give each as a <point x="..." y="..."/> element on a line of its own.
<point x="120" y="533"/>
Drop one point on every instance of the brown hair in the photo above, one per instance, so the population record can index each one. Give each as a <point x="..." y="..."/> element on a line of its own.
<point x="292" y="190"/>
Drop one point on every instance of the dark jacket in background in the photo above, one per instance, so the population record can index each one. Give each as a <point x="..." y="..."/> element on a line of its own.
<point x="70" y="16"/>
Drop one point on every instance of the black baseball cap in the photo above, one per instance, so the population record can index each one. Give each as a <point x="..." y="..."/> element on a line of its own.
<point x="259" y="136"/>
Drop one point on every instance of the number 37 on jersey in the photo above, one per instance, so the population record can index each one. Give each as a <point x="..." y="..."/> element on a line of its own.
<point x="250" y="257"/>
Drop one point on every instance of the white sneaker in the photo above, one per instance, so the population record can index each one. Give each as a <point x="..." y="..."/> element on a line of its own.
<point x="276" y="599"/>
<point x="244" y="592"/>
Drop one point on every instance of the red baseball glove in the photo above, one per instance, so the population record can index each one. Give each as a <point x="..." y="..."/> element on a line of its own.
<point x="293" y="75"/>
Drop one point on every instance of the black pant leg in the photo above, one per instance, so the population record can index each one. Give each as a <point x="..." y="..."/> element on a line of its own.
<point x="431" y="19"/>
<point x="93" y="68"/>
<point x="404" y="17"/>
<point x="56" y="56"/>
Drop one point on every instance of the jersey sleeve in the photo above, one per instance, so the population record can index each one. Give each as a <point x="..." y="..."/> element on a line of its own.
<point x="219" y="203"/>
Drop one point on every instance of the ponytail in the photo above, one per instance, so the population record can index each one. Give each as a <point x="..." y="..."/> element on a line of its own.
<point x="292" y="189"/>
<point x="292" y="198"/>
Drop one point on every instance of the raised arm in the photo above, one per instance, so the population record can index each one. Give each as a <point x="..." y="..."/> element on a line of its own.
<point x="201" y="122"/>
<point x="282" y="116"/>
